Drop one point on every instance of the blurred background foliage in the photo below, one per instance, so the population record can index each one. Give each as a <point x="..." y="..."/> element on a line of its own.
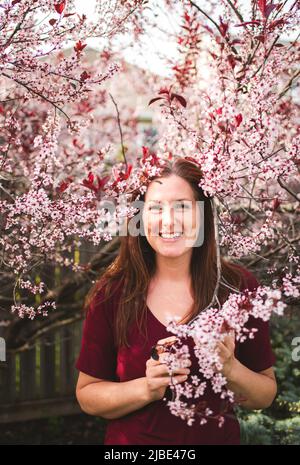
<point x="280" y="423"/>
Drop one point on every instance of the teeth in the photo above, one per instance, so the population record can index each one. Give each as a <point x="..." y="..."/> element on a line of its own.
<point x="170" y="236"/>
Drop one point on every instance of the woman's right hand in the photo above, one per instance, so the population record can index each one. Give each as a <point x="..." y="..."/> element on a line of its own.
<point x="158" y="377"/>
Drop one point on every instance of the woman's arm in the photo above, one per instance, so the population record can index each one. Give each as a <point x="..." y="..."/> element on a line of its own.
<point x="110" y="399"/>
<point x="253" y="390"/>
<point x="258" y="389"/>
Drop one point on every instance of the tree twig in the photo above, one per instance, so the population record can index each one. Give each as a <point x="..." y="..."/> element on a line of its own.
<point x="41" y="332"/>
<point x="36" y="93"/>
<point x="285" y="187"/>
<point x="120" y="129"/>
<point x="215" y="24"/>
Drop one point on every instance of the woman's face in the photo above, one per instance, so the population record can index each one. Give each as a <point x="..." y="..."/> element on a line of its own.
<point x="170" y="207"/>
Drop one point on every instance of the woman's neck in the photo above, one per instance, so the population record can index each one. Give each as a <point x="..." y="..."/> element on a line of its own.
<point x="175" y="269"/>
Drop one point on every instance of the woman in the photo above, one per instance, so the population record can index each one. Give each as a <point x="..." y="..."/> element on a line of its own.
<point x="157" y="275"/>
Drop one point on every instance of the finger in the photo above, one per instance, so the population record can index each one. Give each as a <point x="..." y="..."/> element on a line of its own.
<point x="170" y="339"/>
<point x="155" y="368"/>
<point x="223" y="351"/>
<point x="162" y="370"/>
<point x="166" y="381"/>
<point x="179" y="362"/>
<point x="151" y="362"/>
<point x="229" y="342"/>
<point x="177" y="379"/>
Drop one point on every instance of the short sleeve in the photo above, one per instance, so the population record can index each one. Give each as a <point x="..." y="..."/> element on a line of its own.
<point x="256" y="354"/>
<point x="98" y="355"/>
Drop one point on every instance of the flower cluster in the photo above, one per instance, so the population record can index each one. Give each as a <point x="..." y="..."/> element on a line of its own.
<point x="211" y="326"/>
<point x="135" y="180"/>
<point x="31" y="312"/>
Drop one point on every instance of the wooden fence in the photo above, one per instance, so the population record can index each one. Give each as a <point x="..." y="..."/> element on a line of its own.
<point x="40" y="381"/>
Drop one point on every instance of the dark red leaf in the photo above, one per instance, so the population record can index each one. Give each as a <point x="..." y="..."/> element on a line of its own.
<point x="223" y="27"/>
<point x="164" y="91"/>
<point x="89" y="182"/>
<point x="52" y="21"/>
<point x="277" y="22"/>
<point x="187" y="17"/>
<point x="262" y="6"/>
<point x="102" y="182"/>
<point x="214" y="56"/>
<point x="275" y="204"/>
<point x="222" y="127"/>
<point x="231" y="61"/>
<point x="236" y="41"/>
<point x="237" y="219"/>
<point x="84" y="76"/>
<point x="209" y="29"/>
<point x="105" y="54"/>
<point x="65" y="184"/>
<point x="154" y="100"/>
<point x="79" y="46"/>
<point x="128" y="171"/>
<point x="256" y="23"/>
<point x="59" y="7"/>
<point x="269" y="8"/>
<point x="77" y="144"/>
<point x="180" y="99"/>
<point x="145" y="152"/>
<point x="238" y="119"/>
<point x="266" y="9"/>
<point x="261" y="38"/>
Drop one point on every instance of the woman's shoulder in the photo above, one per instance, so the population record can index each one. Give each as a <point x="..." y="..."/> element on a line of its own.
<point x="108" y="289"/>
<point x="105" y="298"/>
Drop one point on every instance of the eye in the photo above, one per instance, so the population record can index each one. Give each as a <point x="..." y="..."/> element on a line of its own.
<point x="182" y="206"/>
<point x="155" y="207"/>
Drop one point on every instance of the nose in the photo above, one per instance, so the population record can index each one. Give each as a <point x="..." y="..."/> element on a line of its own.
<point x="167" y="218"/>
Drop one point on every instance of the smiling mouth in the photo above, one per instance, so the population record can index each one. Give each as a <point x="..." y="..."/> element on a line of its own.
<point x="170" y="237"/>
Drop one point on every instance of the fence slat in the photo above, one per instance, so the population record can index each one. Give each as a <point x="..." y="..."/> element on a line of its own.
<point x="66" y="357"/>
<point x="27" y="374"/>
<point x="47" y="364"/>
<point x="77" y="334"/>
<point x="44" y="375"/>
<point x="8" y="379"/>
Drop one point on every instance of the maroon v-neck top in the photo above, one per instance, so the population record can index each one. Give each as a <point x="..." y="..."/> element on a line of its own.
<point x="154" y="424"/>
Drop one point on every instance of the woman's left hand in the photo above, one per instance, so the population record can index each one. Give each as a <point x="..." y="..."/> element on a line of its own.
<point x="225" y="350"/>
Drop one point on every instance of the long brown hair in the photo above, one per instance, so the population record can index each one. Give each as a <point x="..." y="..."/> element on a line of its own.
<point x="133" y="268"/>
